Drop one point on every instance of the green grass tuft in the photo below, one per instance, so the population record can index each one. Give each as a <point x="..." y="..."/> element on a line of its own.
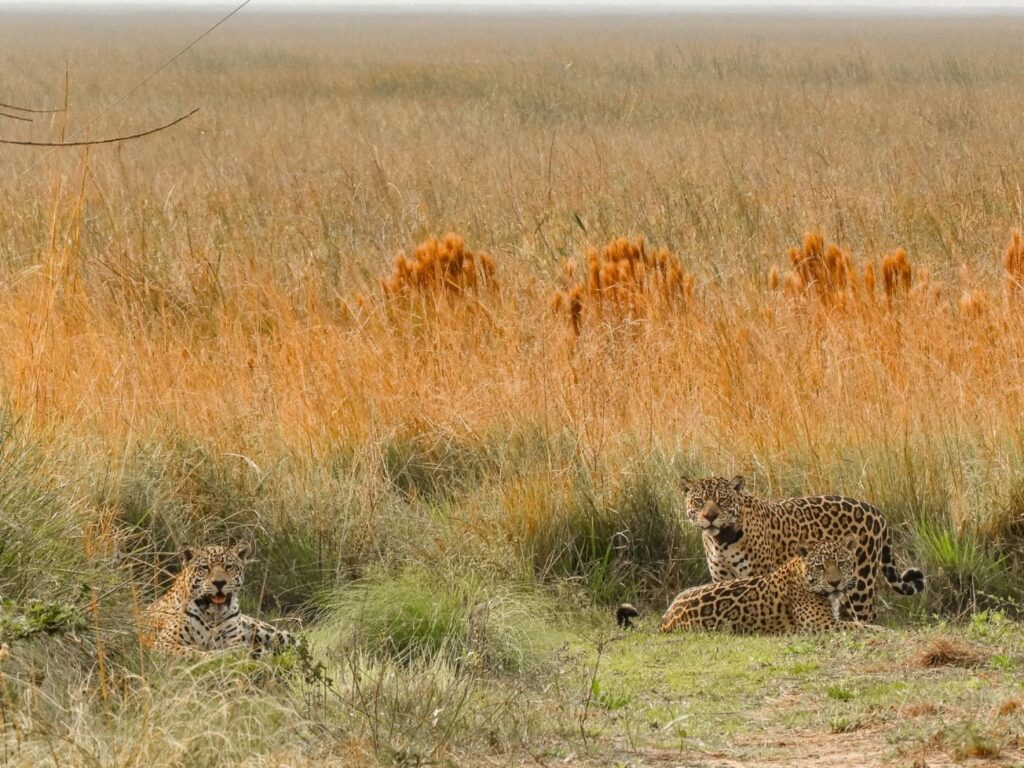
<point x="965" y="573"/>
<point x="422" y="614"/>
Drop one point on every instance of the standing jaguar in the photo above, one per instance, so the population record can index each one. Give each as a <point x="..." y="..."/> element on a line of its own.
<point x="802" y="595"/>
<point x="200" y="611"/>
<point x="747" y="536"/>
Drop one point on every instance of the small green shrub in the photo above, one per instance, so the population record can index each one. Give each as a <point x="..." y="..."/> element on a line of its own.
<point x="970" y="740"/>
<point x="42" y="528"/>
<point x="294" y="565"/>
<point x="39" y="617"/>
<point x="965" y="574"/>
<point x="421" y="614"/>
<point x="839" y="693"/>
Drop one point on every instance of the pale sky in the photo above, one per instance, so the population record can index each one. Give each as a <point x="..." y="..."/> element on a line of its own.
<point x="890" y="5"/>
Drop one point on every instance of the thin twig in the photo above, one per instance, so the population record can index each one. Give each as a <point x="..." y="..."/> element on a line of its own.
<point x="128" y="93"/>
<point x="16" y="108"/>
<point x="590" y="694"/>
<point x="110" y="140"/>
<point x="15" y="117"/>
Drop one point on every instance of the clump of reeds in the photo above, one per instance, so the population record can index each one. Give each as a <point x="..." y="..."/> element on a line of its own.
<point x="897" y="274"/>
<point x="819" y="270"/>
<point x="974" y="300"/>
<point x="625" y="280"/>
<point x="827" y="273"/>
<point x="444" y="267"/>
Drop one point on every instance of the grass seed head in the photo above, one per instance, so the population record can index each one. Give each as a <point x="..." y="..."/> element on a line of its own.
<point x="626" y="280"/>
<point x="897" y="274"/>
<point x="446" y="268"/>
<point x="869" y="278"/>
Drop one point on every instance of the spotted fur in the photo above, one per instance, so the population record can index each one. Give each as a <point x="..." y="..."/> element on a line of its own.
<point x="200" y="612"/>
<point x="802" y="595"/>
<point x="745" y="536"/>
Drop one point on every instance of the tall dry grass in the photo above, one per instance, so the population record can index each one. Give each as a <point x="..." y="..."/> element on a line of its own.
<point x="259" y="325"/>
<point x="263" y="283"/>
<point x="210" y="281"/>
<point x="834" y="364"/>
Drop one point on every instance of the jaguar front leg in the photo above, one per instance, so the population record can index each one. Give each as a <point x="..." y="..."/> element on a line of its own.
<point x="261" y="636"/>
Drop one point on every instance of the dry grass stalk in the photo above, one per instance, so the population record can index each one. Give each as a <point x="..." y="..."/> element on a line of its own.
<point x="1013" y="263"/>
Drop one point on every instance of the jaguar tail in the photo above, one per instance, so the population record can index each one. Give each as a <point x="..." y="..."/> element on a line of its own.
<point x="910" y="582"/>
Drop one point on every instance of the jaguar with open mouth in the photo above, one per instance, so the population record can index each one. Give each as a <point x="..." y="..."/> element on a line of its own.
<point x="216" y="600"/>
<point x="200" y="612"/>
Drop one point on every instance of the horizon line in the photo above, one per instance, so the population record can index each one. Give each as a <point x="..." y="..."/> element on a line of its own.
<point x="511" y="7"/>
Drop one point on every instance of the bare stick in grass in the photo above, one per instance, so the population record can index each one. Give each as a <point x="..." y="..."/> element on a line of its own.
<point x="111" y="140"/>
<point x="16" y="108"/>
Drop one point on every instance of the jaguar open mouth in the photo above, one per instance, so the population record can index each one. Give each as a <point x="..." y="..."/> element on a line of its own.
<point x="218" y="599"/>
<point x="726" y="535"/>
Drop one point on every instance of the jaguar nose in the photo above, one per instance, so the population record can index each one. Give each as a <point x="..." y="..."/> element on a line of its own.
<point x="219" y="584"/>
<point x="834" y="583"/>
<point x="711" y="515"/>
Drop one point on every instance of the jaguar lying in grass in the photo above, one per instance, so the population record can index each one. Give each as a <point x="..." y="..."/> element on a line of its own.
<point x="747" y="536"/>
<point x="200" y="611"/>
<point x="802" y="595"/>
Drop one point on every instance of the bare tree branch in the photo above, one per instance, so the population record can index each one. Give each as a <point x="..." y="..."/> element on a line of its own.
<point x="15" y="117"/>
<point x="16" y="108"/>
<point x="111" y="140"/>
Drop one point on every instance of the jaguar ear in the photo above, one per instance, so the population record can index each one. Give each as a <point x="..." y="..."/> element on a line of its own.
<point x="851" y="542"/>
<point x="243" y="550"/>
<point x="186" y="554"/>
<point x="803" y="550"/>
<point x="737" y="483"/>
<point x="685" y="484"/>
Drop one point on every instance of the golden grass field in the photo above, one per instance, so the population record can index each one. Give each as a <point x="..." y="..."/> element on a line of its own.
<point x="436" y="308"/>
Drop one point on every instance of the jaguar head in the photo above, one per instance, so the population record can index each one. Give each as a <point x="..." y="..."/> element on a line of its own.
<point x="215" y="573"/>
<point x="713" y="505"/>
<point x="830" y="567"/>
